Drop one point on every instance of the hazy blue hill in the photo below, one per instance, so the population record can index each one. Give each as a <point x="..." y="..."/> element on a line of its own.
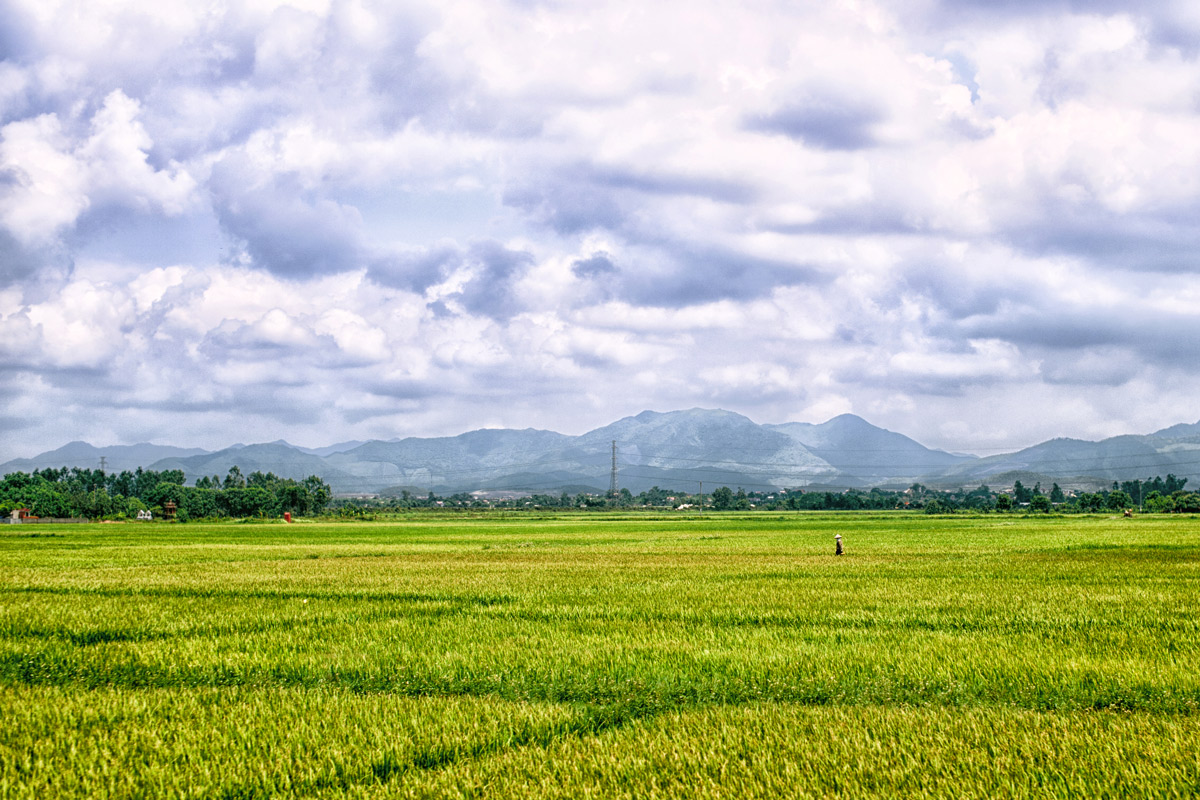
<point x="1189" y="432"/>
<point x="330" y="449"/>
<point x="1116" y="458"/>
<point x="866" y="454"/>
<point x="654" y="434"/>
<point x="282" y="459"/>
<point x="467" y="461"/>
<point x="681" y="448"/>
<point x="673" y="450"/>
<point x="84" y="455"/>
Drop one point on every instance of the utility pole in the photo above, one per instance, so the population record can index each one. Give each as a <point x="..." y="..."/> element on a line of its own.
<point x="702" y="498"/>
<point x="612" y="482"/>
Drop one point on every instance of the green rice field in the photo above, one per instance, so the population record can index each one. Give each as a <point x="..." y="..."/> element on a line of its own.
<point x="602" y="655"/>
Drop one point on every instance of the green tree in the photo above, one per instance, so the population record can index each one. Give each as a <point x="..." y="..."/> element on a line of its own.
<point x="936" y="506"/>
<point x="48" y="500"/>
<point x="1003" y="503"/>
<point x="1056" y="494"/>
<point x="1185" y="502"/>
<point x="319" y="493"/>
<point x="175" y="476"/>
<point x="132" y="506"/>
<point x="722" y="499"/>
<point x="980" y="499"/>
<point x="257" y="478"/>
<point x="1040" y="503"/>
<point x="294" y="498"/>
<point x="123" y="484"/>
<point x="1156" y="503"/>
<point x="247" y="502"/>
<point x="198" y="504"/>
<point x="1118" y="500"/>
<point x="234" y="479"/>
<point x="95" y="504"/>
<point x="166" y="492"/>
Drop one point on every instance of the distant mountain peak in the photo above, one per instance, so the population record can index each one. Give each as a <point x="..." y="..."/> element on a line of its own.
<point x="850" y="419"/>
<point x="1182" y="429"/>
<point x="277" y="443"/>
<point x="664" y="448"/>
<point x="695" y="411"/>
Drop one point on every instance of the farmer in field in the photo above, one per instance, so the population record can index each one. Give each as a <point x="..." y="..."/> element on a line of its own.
<point x="839" y="550"/>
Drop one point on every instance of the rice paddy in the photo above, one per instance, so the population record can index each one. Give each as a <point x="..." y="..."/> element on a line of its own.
<point x="603" y="655"/>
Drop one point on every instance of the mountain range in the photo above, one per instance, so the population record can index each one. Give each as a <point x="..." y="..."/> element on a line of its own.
<point x="672" y="450"/>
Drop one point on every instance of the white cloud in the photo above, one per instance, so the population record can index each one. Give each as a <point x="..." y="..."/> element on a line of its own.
<point x="52" y="177"/>
<point x="115" y="159"/>
<point x="45" y="190"/>
<point x="150" y="287"/>
<point x="84" y="327"/>
<point x="930" y="214"/>
<point x="361" y="341"/>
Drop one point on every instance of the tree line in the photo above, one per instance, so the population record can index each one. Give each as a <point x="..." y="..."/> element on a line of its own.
<point x="1156" y="494"/>
<point x="78" y="492"/>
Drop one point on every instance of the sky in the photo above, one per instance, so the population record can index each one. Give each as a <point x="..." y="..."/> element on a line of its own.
<point x="975" y="223"/>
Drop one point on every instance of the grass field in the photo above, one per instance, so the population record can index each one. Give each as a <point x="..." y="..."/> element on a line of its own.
<point x="604" y="656"/>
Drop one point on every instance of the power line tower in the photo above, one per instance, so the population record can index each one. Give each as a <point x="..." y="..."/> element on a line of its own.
<point x="103" y="463"/>
<point x="612" y="482"/>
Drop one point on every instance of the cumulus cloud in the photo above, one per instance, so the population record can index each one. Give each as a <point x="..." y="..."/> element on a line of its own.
<point x="379" y="219"/>
<point x="281" y="230"/>
<point x="833" y="123"/>
<point x="53" y="173"/>
<point x="418" y="269"/>
<point x="45" y="189"/>
<point x="596" y="265"/>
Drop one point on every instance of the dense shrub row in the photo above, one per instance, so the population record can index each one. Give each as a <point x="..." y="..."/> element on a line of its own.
<point x="94" y="494"/>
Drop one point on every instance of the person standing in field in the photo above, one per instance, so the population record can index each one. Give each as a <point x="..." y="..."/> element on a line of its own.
<point x="839" y="550"/>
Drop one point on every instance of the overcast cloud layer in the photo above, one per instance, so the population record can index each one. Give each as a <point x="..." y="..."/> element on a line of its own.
<point x="974" y="223"/>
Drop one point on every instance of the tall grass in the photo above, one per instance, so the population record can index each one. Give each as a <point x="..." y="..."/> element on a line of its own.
<point x="729" y="656"/>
